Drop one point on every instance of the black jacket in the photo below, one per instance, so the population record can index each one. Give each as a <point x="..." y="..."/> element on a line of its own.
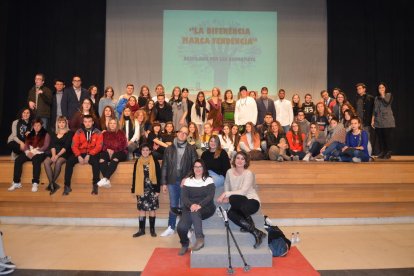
<point x="70" y="103"/>
<point x="169" y="163"/>
<point x="368" y="108"/>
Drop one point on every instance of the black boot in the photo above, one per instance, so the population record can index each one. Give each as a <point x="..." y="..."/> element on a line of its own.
<point x="94" y="189"/>
<point x="387" y="155"/>
<point x="152" y="226"/>
<point x="53" y="188"/>
<point x="141" y="230"/>
<point x="247" y="224"/>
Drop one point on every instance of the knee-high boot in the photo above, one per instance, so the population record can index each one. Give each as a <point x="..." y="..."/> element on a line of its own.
<point x="247" y="224"/>
<point x="141" y="230"/>
<point x="152" y="226"/>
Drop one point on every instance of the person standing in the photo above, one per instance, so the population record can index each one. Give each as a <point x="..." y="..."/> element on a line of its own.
<point x="40" y="99"/>
<point x="73" y="97"/>
<point x="284" y="111"/>
<point x="177" y="163"/>
<point x="163" y="111"/>
<point x="123" y="99"/>
<point x="383" y="121"/>
<point x="179" y="108"/>
<point x="246" y="109"/>
<point x="188" y="102"/>
<point x="107" y="99"/>
<point x="228" y="106"/>
<point x="215" y="117"/>
<point x="264" y="106"/>
<point x="57" y="103"/>
<point x="364" y="109"/>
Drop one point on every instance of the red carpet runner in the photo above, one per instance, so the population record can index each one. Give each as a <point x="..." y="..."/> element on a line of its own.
<point x="165" y="261"/>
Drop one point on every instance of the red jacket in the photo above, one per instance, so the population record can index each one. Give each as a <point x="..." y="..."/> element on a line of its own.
<point x="81" y="145"/>
<point x="115" y="141"/>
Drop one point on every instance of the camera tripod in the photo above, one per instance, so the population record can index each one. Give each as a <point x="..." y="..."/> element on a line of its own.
<point x="230" y="270"/>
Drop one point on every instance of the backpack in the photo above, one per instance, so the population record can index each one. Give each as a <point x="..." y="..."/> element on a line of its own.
<point x="278" y="243"/>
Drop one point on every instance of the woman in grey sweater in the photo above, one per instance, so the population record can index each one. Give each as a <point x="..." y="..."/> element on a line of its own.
<point x="197" y="199"/>
<point x="383" y="120"/>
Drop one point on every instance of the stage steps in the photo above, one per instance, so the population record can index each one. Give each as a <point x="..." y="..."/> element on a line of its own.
<point x="214" y="253"/>
<point x="287" y="190"/>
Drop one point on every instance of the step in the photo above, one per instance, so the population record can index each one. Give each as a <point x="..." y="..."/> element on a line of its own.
<point x="216" y="256"/>
<point x="216" y="222"/>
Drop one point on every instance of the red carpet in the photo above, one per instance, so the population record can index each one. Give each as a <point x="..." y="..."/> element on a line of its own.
<point x="165" y="261"/>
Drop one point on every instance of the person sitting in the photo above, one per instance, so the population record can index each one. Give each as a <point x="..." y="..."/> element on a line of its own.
<point x="314" y="141"/>
<point x="302" y="121"/>
<point x="36" y="143"/>
<point x="131" y="129"/>
<point x="205" y="137"/>
<point x="227" y="140"/>
<point x="346" y="120"/>
<point x="240" y="192"/>
<point x="295" y="138"/>
<point x="146" y="186"/>
<point x="60" y="150"/>
<point x="85" y="109"/>
<point x="194" y="138"/>
<point x="236" y="136"/>
<point x="168" y="134"/>
<point x="216" y="160"/>
<point x="197" y="199"/>
<point x="250" y="142"/>
<point x="86" y="146"/>
<point x="277" y="143"/>
<point x="19" y="130"/>
<point x="107" y="114"/>
<point x="356" y="144"/>
<point x="263" y="129"/>
<point x="155" y="141"/>
<point x="334" y="139"/>
<point x="114" y="150"/>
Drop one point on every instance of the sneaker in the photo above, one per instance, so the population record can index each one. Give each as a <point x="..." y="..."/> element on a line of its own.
<point x="198" y="245"/>
<point x="107" y="184"/>
<point x="295" y="158"/>
<point x="356" y="160"/>
<point x="35" y="187"/>
<point x="6" y="262"/>
<point x="190" y="233"/>
<point x="280" y="159"/>
<point x="183" y="250"/>
<point x="334" y="159"/>
<point x="320" y="158"/>
<point x="312" y="158"/>
<point x="307" y="157"/>
<point x="6" y="271"/>
<point x="168" y="232"/>
<point x="15" y="186"/>
<point x="102" y="182"/>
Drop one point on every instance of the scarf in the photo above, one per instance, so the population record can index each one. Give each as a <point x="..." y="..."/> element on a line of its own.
<point x="139" y="174"/>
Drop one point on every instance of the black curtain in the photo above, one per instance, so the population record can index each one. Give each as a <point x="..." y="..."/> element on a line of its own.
<point x="58" y="38"/>
<point x="372" y="41"/>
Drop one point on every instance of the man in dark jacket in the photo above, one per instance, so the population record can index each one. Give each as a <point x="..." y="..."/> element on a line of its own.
<point x="364" y="108"/>
<point x="56" y="103"/>
<point x="177" y="163"/>
<point x="40" y="99"/>
<point x="264" y="106"/>
<point x="163" y="111"/>
<point x="73" y="97"/>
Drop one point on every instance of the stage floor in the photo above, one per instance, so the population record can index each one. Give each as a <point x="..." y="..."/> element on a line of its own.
<point x="113" y="248"/>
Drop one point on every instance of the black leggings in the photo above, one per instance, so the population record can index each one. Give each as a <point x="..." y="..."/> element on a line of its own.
<point x="243" y="205"/>
<point x="107" y="164"/>
<point x="384" y="136"/>
<point x="15" y="147"/>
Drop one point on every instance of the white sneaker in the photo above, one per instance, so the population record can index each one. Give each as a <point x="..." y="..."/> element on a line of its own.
<point x="307" y="157"/>
<point x="15" y="186"/>
<point x="168" y="232"/>
<point x="102" y="182"/>
<point x="190" y="233"/>
<point x="35" y="187"/>
<point x="107" y="184"/>
<point x="356" y="159"/>
<point x="295" y="158"/>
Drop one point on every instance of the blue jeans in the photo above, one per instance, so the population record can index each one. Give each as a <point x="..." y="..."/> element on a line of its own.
<point x="333" y="150"/>
<point x="174" y="191"/>
<point x="357" y="153"/>
<point x="217" y="178"/>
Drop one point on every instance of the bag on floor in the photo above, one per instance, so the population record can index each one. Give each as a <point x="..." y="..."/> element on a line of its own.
<point x="278" y="243"/>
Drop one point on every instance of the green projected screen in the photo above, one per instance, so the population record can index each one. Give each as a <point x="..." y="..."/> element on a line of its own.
<point x="227" y="49"/>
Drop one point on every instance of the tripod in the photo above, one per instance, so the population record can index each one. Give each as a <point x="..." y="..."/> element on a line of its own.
<point x="230" y="270"/>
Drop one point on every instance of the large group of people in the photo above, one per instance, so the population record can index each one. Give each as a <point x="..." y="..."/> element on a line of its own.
<point x="196" y="141"/>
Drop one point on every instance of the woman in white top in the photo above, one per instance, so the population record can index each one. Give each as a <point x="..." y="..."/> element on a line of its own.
<point x="240" y="192"/>
<point x="130" y="127"/>
<point x="199" y="112"/>
<point x="197" y="199"/>
<point x="227" y="140"/>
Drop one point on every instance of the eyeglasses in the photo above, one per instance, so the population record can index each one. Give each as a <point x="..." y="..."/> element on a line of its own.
<point x="183" y="133"/>
<point x="198" y="167"/>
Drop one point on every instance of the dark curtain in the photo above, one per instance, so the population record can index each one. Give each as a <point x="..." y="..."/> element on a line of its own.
<point x="372" y="41"/>
<point x="58" y="38"/>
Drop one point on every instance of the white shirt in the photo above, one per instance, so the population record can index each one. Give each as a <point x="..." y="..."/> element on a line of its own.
<point x="246" y="111"/>
<point x="198" y="120"/>
<point x="284" y="112"/>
